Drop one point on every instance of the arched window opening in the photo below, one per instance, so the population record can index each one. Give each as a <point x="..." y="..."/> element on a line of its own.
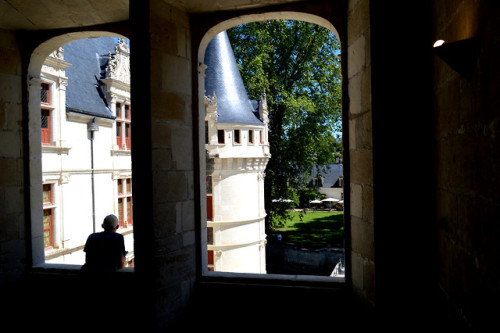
<point x="275" y="205"/>
<point x="81" y="111"/>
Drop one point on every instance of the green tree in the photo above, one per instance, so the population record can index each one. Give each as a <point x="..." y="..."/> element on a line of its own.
<point x="296" y="64"/>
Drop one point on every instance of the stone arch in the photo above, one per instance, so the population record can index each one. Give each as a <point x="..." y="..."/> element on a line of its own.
<point x="205" y="40"/>
<point x="33" y="83"/>
<point x="211" y="33"/>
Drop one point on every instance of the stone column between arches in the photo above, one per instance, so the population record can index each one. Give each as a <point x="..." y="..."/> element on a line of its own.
<point x="360" y="149"/>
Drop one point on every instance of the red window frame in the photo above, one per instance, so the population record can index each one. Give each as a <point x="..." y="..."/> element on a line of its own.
<point x="47" y="194"/>
<point x="130" y="219"/>
<point x="250" y="136"/>
<point x="210" y="257"/>
<point x="128" y="183"/>
<point x="45" y="93"/>
<point x="48" y="231"/>
<point x="48" y="227"/>
<point x="127" y="112"/>
<point x="118" y="108"/>
<point x="119" y="134"/>
<point x="120" y="186"/>
<point x="45" y="126"/>
<point x="210" y="210"/>
<point x="123" y="132"/>
<point x="124" y="196"/>
<point x="127" y="136"/>
<point x="120" y="212"/>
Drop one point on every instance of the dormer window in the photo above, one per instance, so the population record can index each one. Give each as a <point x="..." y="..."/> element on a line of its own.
<point x="237" y="136"/>
<point x="220" y="137"/>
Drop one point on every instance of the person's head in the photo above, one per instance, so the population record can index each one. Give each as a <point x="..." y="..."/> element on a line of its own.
<point x="110" y="223"/>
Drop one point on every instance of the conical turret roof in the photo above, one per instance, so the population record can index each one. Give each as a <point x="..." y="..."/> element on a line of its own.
<point x="223" y="77"/>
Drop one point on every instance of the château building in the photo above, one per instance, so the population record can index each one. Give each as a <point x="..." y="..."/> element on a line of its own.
<point x="85" y="134"/>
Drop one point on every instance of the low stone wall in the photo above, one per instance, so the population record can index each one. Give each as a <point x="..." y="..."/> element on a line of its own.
<point x="286" y="259"/>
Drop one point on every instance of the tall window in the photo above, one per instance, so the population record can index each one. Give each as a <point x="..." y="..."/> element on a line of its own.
<point x="119" y="134"/>
<point x="127" y="126"/>
<point x="48" y="231"/>
<point x="45" y="100"/>
<point x="300" y="105"/>
<point x="46" y="127"/>
<point x="71" y="207"/>
<point x="125" y="202"/>
<point x="123" y="126"/>
<point x="45" y="93"/>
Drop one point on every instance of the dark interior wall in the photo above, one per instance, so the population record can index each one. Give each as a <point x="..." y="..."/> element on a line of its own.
<point x="466" y="103"/>
<point x="403" y="161"/>
<point x="12" y="231"/>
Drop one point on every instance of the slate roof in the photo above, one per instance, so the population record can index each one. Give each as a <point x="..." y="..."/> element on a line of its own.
<point x="88" y="58"/>
<point x="223" y="77"/>
<point x="331" y="175"/>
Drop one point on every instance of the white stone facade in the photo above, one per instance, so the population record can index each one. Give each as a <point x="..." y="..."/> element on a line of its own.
<point x="86" y="171"/>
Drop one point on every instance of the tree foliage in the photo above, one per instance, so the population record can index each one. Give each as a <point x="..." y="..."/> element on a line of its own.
<point x="296" y="64"/>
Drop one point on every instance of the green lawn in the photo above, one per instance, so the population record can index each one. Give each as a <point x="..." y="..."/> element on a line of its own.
<point x="315" y="230"/>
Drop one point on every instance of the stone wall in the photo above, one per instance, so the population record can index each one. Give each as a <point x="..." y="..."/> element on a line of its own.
<point x="169" y="237"/>
<point x="12" y="228"/>
<point x="468" y="160"/>
<point x="287" y="259"/>
<point x="360" y="148"/>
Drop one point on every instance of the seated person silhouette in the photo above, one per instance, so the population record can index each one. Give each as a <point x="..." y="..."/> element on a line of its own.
<point x="104" y="251"/>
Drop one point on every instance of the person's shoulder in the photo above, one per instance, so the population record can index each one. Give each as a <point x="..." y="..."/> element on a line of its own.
<point x="94" y="235"/>
<point x="116" y="235"/>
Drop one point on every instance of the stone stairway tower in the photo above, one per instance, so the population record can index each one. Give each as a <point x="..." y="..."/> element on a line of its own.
<point x="237" y="151"/>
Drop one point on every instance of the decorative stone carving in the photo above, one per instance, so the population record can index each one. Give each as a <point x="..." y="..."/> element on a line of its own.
<point x="211" y="107"/>
<point x="118" y="67"/>
<point x="58" y="54"/>
<point x="201" y="69"/>
<point x="55" y="65"/>
<point x="64" y="179"/>
<point x="263" y="111"/>
<point x="210" y="162"/>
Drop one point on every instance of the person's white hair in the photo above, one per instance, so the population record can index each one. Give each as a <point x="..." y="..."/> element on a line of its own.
<point x="110" y="222"/>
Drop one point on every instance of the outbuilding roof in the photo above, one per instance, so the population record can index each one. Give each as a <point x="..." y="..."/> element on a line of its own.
<point x="331" y="175"/>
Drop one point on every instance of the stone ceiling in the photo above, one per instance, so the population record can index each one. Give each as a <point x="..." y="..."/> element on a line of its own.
<point x="54" y="14"/>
